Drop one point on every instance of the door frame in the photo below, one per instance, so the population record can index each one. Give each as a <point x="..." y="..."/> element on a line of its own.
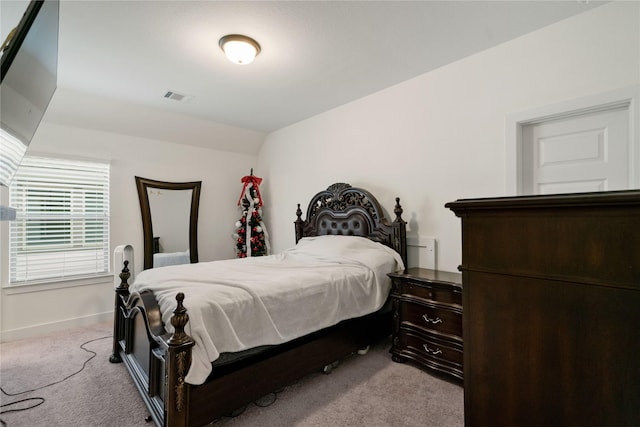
<point x="514" y="123"/>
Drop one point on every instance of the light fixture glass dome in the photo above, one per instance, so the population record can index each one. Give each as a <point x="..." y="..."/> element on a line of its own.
<point x="239" y="49"/>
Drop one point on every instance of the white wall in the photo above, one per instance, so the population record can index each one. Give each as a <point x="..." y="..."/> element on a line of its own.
<point x="441" y="136"/>
<point x="32" y="313"/>
<point x="430" y="140"/>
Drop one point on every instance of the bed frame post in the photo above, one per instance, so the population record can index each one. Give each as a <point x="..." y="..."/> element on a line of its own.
<point x="178" y="362"/>
<point x="400" y="233"/>
<point x="122" y="293"/>
<point x="299" y="223"/>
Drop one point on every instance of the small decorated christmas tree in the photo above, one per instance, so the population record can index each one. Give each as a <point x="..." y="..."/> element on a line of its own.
<point x="251" y="234"/>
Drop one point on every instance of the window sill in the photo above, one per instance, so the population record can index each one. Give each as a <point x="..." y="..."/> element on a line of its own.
<point x="58" y="284"/>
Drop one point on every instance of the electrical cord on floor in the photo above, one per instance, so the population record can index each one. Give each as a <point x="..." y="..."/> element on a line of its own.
<point x="37" y="401"/>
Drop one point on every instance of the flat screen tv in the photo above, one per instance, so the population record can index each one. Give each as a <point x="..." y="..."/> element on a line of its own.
<point x="29" y="76"/>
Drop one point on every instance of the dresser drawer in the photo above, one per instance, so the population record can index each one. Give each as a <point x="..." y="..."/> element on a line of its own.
<point x="431" y="319"/>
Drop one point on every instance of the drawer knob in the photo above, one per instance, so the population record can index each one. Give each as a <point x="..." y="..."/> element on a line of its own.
<point x="430" y="320"/>
<point x="432" y="351"/>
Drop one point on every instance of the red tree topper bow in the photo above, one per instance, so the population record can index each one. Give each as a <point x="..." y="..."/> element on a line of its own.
<point x="251" y="179"/>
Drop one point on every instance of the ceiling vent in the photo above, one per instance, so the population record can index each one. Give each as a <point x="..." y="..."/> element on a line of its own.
<point x="177" y="96"/>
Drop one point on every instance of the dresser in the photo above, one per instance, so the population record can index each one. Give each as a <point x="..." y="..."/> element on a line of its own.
<point x="551" y="304"/>
<point x="427" y="320"/>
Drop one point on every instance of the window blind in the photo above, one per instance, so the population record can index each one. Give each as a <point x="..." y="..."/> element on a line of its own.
<point x="61" y="229"/>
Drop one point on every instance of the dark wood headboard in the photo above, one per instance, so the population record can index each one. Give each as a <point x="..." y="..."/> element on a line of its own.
<point x="345" y="210"/>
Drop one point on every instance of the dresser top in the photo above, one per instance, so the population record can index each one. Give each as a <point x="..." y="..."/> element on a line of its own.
<point x="572" y="200"/>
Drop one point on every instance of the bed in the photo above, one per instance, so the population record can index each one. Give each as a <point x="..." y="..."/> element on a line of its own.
<point x="163" y="349"/>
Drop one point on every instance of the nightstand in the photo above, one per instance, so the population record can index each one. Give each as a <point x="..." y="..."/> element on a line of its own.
<point x="427" y="320"/>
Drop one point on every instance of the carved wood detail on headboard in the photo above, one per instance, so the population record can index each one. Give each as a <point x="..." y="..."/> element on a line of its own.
<point x="343" y="209"/>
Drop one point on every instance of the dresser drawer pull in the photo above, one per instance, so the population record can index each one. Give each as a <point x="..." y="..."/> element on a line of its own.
<point x="432" y="351"/>
<point x="430" y="320"/>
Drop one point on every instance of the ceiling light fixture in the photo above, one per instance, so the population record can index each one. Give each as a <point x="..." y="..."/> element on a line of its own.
<point x="239" y="49"/>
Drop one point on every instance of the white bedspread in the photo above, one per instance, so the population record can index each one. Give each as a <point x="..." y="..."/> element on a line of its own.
<point x="238" y="304"/>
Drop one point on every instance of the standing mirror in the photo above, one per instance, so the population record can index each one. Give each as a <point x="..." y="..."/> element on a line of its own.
<point x="169" y="221"/>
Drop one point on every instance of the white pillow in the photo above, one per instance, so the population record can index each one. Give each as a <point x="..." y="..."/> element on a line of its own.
<point x="354" y="248"/>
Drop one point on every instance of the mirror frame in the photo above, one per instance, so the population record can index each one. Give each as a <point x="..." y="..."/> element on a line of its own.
<point x="142" y="184"/>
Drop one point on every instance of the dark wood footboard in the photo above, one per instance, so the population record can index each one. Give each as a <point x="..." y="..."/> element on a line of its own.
<point x="157" y="361"/>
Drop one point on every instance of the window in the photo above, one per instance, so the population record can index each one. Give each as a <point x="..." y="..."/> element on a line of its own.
<point x="61" y="230"/>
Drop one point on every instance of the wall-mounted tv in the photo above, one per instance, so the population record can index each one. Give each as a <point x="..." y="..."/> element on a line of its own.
<point x="29" y="76"/>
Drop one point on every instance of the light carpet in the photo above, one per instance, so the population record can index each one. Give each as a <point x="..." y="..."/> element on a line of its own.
<point x="87" y="390"/>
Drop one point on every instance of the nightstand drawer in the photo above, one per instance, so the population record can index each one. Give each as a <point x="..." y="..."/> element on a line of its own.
<point x="439" y="320"/>
<point x="442" y="354"/>
<point x="433" y="349"/>
<point x="430" y="292"/>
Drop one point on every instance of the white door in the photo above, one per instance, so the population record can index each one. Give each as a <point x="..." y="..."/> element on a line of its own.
<point x="577" y="153"/>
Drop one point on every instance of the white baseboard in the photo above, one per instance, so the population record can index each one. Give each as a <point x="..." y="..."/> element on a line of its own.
<point x="47" y="328"/>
